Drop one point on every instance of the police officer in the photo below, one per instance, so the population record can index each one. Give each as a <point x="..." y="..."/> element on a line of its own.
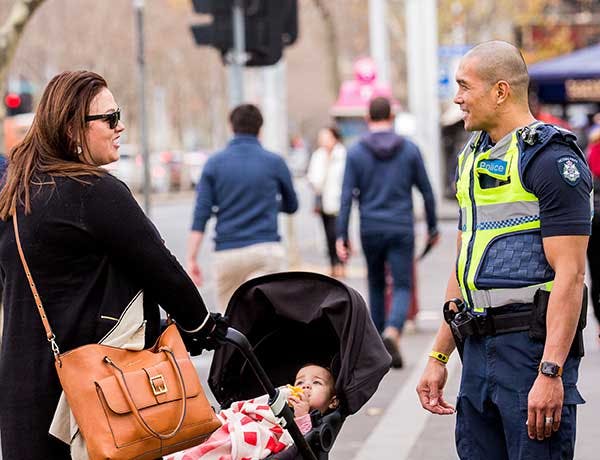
<point x="523" y="189"/>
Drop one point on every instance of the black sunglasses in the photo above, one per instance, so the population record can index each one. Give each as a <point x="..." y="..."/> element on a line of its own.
<point x="112" y="118"/>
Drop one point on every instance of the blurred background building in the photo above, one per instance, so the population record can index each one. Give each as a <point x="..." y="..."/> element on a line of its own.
<point x="187" y="85"/>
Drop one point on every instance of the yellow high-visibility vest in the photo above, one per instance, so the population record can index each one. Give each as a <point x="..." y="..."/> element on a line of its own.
<point x="501" y="259"/>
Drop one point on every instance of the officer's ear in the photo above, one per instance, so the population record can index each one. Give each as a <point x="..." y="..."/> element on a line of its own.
<point x="502" y="89"/>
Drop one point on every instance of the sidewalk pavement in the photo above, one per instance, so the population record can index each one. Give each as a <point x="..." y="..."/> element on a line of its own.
<point x="393" y="417"/>
<point x="392" y="425"/>
<point x="407" y="432"/>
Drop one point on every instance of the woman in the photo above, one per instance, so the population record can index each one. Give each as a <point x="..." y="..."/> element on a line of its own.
<point x="90" y="249"/>
<point x="325" y="175"/>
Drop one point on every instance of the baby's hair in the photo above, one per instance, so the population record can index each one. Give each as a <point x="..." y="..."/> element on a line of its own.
<point x="327" y="368"/>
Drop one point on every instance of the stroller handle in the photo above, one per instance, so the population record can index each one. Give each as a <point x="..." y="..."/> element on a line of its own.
<point x="239" y="340"/>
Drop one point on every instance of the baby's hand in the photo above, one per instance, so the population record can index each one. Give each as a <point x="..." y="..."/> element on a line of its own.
<point x="300" y="404"/>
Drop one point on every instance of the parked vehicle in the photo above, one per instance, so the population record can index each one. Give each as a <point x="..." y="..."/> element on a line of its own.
<point x="166" y="169"/>
<point x="193" y="163"/>
<point x="15" y="128"/>
<point x="129" y="167"/>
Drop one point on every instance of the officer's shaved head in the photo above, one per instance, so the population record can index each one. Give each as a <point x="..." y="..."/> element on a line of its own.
<point x="499" y="60"/>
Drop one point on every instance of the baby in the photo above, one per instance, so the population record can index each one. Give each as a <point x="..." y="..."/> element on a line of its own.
<point x="250" y="429"/>
<point x="318" y="391"/>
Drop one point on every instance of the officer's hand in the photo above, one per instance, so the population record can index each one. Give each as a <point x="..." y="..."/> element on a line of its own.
<point x="431" y="386"/>
<point x="194" y="271"/>
<point x="545" y="400"/>
<point x="343" y="249"/>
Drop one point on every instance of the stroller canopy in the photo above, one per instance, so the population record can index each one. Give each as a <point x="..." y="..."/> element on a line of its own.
<point x="295" y="318"/>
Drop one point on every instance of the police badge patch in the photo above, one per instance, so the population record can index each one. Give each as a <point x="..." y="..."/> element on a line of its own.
<point x="568" y="167"/>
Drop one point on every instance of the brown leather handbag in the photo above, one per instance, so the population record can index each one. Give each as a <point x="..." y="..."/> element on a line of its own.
<point x="131" y="404"/>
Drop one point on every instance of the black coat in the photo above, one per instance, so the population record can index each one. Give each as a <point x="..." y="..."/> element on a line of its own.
<point x="90" y="249"/>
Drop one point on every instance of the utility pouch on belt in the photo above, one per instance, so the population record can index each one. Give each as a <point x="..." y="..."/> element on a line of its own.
<point x="450" y="317"/>
<point x="537" y="330"/>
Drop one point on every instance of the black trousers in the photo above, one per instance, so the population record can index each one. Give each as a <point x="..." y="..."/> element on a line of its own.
<point x="593" y="254"/>
<point x="329" y="227"/>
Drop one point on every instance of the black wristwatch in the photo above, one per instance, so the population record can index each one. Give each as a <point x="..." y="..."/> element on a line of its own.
<point x="550" y="369"/>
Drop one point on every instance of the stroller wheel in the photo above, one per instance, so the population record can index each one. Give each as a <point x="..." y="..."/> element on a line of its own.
<point x="326" y="438"/>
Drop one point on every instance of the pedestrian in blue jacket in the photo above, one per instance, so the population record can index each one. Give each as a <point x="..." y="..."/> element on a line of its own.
<point x="381" y="170"/>
<point x="245" y="187"/>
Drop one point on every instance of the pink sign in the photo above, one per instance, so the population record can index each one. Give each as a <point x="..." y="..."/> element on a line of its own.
<point x="355" y="95"/>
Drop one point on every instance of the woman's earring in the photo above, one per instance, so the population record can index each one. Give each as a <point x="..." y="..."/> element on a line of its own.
<point x="79" y="150"/>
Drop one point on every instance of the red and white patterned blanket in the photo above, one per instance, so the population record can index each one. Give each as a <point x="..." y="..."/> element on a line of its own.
<point x="249" y="431"/>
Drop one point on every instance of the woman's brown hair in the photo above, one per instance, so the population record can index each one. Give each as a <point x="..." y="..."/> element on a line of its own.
<point x="53" y="144"/>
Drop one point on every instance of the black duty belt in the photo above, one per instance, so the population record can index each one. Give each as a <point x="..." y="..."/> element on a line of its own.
<point x="496" y="321"/>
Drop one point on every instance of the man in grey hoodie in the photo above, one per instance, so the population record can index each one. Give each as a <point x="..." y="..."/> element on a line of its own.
<point x="381" y="170"/>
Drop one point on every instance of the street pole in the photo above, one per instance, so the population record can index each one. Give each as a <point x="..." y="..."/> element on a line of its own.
<point x="139" y="14"/>
<point x="238" y="57"/>
<point x="274" y="105"/>
<point x="275" y="136"/>
<point x="378" y="37"/>
<point x="422" y="71"/>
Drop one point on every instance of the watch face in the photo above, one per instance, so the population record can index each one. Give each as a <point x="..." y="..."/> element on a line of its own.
<point x="550" y="369"/>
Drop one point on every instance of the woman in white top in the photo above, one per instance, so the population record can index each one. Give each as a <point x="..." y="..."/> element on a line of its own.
<point x="325" y="175"/>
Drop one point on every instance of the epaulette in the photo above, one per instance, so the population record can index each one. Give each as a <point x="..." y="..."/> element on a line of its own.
<point x="548" y="131"/>
<point x="536" y="136"/>
<point x="541" y="132"/>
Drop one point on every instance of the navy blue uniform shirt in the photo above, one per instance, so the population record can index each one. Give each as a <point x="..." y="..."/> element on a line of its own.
<point x="245" y="186"/>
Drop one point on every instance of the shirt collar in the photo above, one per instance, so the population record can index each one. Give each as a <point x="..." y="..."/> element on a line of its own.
<point x="244" y="139"/>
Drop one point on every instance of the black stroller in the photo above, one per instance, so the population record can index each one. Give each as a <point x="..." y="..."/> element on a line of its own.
<point x="276" y="313"/>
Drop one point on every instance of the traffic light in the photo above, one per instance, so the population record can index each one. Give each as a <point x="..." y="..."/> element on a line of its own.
<point x="219" y="33"/>
<point x="17" y="103"/>
<point x="269" y="26"/>
<point x="290" y="25"/>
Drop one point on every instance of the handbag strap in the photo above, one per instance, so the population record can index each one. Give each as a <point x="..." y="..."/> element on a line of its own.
<point x="36" y="297"/>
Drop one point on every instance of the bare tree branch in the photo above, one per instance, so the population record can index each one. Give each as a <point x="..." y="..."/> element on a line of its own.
<point x="332" y="45"/>
<point x="10" y="33"/>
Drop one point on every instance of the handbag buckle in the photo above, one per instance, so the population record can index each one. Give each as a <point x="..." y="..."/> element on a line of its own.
<point x="158" y="384"/>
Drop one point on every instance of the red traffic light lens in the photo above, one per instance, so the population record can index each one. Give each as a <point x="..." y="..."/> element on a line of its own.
<point x="12" y="101"/>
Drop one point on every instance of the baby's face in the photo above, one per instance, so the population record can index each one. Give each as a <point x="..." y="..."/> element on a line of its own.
<point x="317" y="384"/>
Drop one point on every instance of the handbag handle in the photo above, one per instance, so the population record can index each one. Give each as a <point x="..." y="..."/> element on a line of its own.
<point x="120" y="376"/>
<point x="38" y="301"/>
